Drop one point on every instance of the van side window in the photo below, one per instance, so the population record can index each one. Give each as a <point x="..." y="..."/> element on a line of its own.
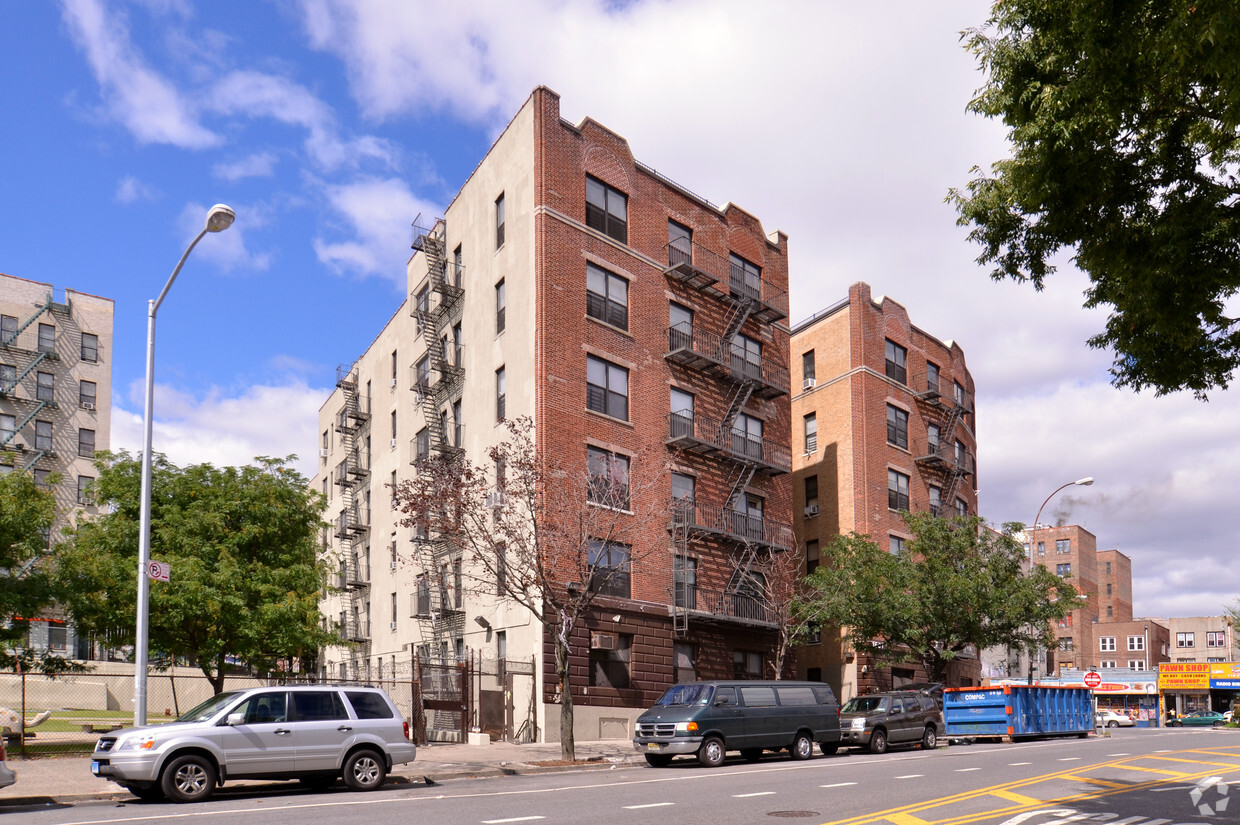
<point x="758" y="697"/>
<point x="796" y="696"/>
<point x="725" y="696"/>
<point x="823" y="694"/>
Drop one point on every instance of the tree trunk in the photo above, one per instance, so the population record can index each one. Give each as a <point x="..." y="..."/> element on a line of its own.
<point x="568" y="749"/>
<point x="216" y="677"/>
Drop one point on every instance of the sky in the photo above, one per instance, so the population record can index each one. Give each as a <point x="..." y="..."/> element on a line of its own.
<point x="330" y="125"/>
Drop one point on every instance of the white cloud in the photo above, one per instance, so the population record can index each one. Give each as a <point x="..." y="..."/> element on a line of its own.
<point x="130" y="190"/>
<point x="378" y="213"/>
<point x="225" y="429"/>
<point x="137" y="96"/>
<point x="258" y="165"/>
<point x="226" y="249"/>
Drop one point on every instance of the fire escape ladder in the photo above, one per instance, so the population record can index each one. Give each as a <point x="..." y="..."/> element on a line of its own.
<point x="683" y="514"/>
<point x="9" y="340"/>
<point x="30" y="417"/>
<point x="740" y="312"/>
<point x="33" y="460"/>
<point x="740" y="397"/>
<point x="740" y="483"/>
<point x="740" y="573"/>
<point x="17" y="381"/>
<point x="348" y="420"/>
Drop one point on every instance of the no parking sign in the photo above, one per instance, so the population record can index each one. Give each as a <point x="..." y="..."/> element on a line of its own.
<point x="158" y="571"/>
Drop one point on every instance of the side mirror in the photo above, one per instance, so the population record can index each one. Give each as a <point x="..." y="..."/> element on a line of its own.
<point x="235" y="719"/>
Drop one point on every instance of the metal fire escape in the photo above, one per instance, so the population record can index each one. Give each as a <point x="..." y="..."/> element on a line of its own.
<point x="437" y="305"/>
<point x="43" y="355"/>
<point x="941" y="455"/>
<point x="352" y="476"/>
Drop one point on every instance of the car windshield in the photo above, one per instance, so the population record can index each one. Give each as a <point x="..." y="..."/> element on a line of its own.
<point x="686" y="695"/>
<point x="209" y="708"/>
<point x="865" y="704"/>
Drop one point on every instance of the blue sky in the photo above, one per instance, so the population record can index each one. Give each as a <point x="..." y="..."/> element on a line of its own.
<point x="329" y="125"/>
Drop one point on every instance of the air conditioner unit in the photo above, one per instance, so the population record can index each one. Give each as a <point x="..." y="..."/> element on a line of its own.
<point x="495" y="499"/>
<point x="392" y="565"/>
<point x="323" y="452"/>
<point x="88" y="405"/>
<point x="392" y="626"/>
<point x="392" y="383"/>
<point x="393" y="444"/>
<point x="808" y="384"/>
<point x="811" y="511"/>
<point x="603" y="641"/>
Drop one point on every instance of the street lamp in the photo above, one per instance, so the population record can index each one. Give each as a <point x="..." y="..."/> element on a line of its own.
<point x="219" y="218"/>
<point x="1081" y="482"/>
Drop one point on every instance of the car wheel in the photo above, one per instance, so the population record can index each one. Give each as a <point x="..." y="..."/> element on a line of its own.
<point x="364" y="770"/>
<point x="802" y="747"/>
<point x="929" y="739"/>
<point x="751" y="754"/>
<point x="1112" y="724"/>
<point x="712" y="752"/>
<point x="829" y="747"/>
<point x="658" y="760"/>
<point x="151" y="793"/>
<point x="878" y="741"/>
<point x="189" y="778"/>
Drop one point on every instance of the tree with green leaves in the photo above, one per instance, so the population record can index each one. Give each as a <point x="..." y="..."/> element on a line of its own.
<point x="26" y="591"/>
<point x="242" y="545"/>
<point x="958" y="584"/>
<point x="1123" y="120"/>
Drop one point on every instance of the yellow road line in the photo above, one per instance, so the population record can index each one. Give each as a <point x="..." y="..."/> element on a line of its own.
<point x="1155" y="770"/>
<point x="1100" y="782"/>
<point x="1015" y="797"/>
<point x="906" y="819"/>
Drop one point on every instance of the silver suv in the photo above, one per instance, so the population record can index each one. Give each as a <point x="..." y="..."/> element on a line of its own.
<point x="316" y="734"/>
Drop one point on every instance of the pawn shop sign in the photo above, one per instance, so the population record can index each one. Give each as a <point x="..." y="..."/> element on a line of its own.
<point x="158" y="571"/>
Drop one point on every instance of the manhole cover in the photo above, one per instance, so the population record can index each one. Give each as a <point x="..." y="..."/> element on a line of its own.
<point x="793" y="814"/>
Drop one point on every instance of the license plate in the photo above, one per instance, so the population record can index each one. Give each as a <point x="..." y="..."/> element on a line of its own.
<point x="94" y="767"/>
<point x="653" y="746"/>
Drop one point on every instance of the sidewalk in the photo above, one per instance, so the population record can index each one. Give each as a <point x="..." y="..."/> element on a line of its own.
<point x="68" y="779"/>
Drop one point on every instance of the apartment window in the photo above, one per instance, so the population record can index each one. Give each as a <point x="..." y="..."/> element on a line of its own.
<point x="501" y="394"/>
<point x="962" y="456"/>
<point x="679" y="244"/>
<point x="811" y="495"/>
<point x="811" y="433"/>
<point x="607" y="210"/>
<point x="684" y="669"/>
<point x="607" y="297"/>
<point x="608" y="475"/>
<point x="1108" y="588"/>
<point x="936" y="501"/>
<point x="746" y="278"/>
<point x="897" y="362"/>
<point x="1107" y="663"/>
<point x="458" y="266"/>
<point x="610" y="571"/>
<point x="8" y="427"/>
<point x="807" y="366"/>
<point x="684" y="582"/>
<point x="682" y="413"/>
<point x="897" y="490"/>
<point x="1216" y="638"/>
<point x="422" y="375"/>
<point x="90" y="347"/>
<point x="746" y="357"/>
<point x="895" y="545"/>
<point x="1185" y="640"/>
<point x="607" y="388"/>
<point x="610" y="668"/>
<point x="1136" y="643"/>
<point x="746" y="664"/>
<point x="501" y="303"/>
<point x="1063" y="546"/>
<point x="394" y="611"/>
<point x="86" y="394"/>
<point x="83" y="490"/>
<point x="747" y="516"/>
<point x="897" y="427"/>
<point x="458" y="425"/>
<point x="8" y="327"/>
<point x="1065" y="643"/>
<point x="393" y="428"/>
<point x="40" y="479"/>
<point x="8" y="377"/>
<point x="422" y="302"/>
<point x="747" y="436"/>
<point x="1108" y="568"/>
<point x="962" y="507"/>
<point x="501" y="568"/>
<point x="1136" y="664"/>
<point x="422" y="444"/>
<point x="1041" y="548"/>
<point x="43" y="435"/>
<point x="45" y="387"/>
<point x="684" y="494"/>
<point x="958" y="393"/>
<point x="932" y="377"/>
<point x="1106" y="644"/>
<point x="47" y="338"/>
<point x="679" y="327"/>
<point x="811" y="556"/>
<point x="1063" y="570"/>
<point x="499" y="221"/>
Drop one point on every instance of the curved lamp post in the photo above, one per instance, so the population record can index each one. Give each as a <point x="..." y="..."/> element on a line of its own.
<point x="219" y="218"/>
<point x="1080" y="482"/>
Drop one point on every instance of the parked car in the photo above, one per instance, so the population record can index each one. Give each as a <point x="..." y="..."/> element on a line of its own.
<point x="7" y="777"/>
<point x="1198" y="718"/>
<point x="898" y="717"/>
<point x="1111" y="719"/>
<point x="316" y="734"/>
<point x="711" y="718"/>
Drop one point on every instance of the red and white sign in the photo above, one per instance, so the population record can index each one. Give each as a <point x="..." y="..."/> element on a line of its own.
<point x="1092" y="680"/>
<point x="158" y="571"/>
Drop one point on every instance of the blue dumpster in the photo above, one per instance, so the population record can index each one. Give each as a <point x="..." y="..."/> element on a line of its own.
<point x="1018" y="711"/>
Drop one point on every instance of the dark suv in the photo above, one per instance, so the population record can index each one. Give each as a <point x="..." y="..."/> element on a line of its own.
<point x="898" y="717"/>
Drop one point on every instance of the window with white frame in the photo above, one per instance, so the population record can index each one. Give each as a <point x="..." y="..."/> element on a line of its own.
<point x="1106" y="644"/>
<point x="1136" y="664"/>
<point x="811" y="433"/>
<point x="1185" y="640"/>
<point x="1107" y="663"/>
<point x="897" y="490"/>
<point x="1216" y="638"/>
<point x="1063" y="546"/>
<point x="1136" y="643"/>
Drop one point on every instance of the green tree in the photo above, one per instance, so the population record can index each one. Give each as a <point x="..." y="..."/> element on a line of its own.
<point x="26" y="515"/>
<point x="957" y="584"/>
<point x="1122" y="118"/>
<point x="242" y="546"/>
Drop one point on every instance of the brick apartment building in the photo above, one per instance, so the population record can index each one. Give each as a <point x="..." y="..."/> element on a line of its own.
<point x="883" y="422"/>
<point x="55" y="405"/>
<point x="623" y="314"/>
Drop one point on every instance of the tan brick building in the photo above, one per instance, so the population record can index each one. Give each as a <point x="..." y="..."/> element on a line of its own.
<point x="622" y="313"/>
<point x="55" y="404"/>
<point x="883" y="421"/>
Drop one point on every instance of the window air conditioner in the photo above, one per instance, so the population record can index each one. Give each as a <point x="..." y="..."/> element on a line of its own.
<point x="602" y="641"/>
<point x="393" y="443"/>
<point x="495" y="499"/>
<point x="392" y="383"/>
<point x="88" y="405"/>
<point x="323" y="452"/>
<point x="392" y="626"/>
<point x="392" y="565"/>
<point x="808" y="384"/>
<point x="811" y="511"/>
